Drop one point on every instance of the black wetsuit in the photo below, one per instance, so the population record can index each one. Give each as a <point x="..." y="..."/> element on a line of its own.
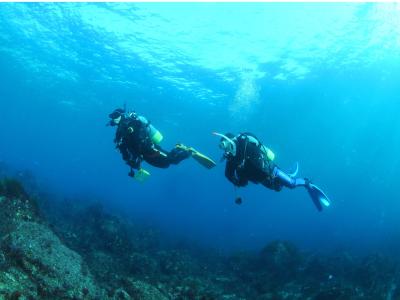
<point x="250" y="164"/>
<point x="134" y="142"/>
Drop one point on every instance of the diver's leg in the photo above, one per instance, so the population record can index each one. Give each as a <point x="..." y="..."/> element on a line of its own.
<point x="160" y="161"/>
<point x="287" y="180"/>
<point x="317" y="195"/>
<point x="157" y="157"/>
<point x="163" y="159"/>
<point x="177" y="155"/>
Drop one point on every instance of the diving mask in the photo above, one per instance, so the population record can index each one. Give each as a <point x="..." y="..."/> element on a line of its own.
<point x="226" y="144"/>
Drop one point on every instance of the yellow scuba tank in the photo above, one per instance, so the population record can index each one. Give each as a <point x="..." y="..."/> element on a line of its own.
<point x="268" y="152"/>
<point x="155" y="135"/>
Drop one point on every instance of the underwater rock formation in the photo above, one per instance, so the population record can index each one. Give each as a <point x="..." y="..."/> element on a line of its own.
<point x="74" y="251"/>
<point x="35" y="264"/>
<point x="56" y="270"/>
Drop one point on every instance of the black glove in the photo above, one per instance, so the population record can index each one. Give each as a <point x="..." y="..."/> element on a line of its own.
<point x="238" y="182"/>
<point x="135" y="164"/>
<point x="131" y="173"/>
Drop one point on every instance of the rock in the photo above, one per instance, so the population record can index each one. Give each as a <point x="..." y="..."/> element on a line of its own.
<point x="15" y="206"/>
<point x="281" y="257"/>
<point x="140" y="290"/>
<point x="121" y="294"/>
<point x="140" y="264"/>
<point x="103" y="266"/>
<point x="12" y="188"/>
<point x="57" y="271"/>
<point x="3" y="261"/>
<point x="15" y="284"/>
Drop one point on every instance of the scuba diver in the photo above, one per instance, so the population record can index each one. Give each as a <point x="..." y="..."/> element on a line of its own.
<point x="138" y="140"/>
<point x="247" y="159"/>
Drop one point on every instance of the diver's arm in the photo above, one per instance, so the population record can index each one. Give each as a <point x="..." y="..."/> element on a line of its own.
<point x="124" y="151"/>
<point x="230" y="171"/>
<point x="123" y="148"/>
<point x="132" y="161"/>
<point x="242" y="182"/>
<point x="231" y="174"/>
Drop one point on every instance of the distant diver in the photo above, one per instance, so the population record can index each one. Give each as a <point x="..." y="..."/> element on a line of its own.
<point x="247" y="159"/>
<point x="138" y="140"/>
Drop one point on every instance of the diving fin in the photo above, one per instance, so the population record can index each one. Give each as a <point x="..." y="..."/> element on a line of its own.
<point x="141" y="175"/>
<point x="318" y="196"/>
<point x="294" y="173"/>
<point x="199" y="157"/>
<point x="202" y="159"/>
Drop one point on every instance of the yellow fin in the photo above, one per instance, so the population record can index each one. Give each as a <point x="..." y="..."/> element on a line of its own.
<point x="141" y="175"/>
<point x="202" y="159"/>
<point x="199" y="157"/>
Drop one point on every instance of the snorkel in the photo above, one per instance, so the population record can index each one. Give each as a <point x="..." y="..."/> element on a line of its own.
<point x="228" y="140"/>
<point x="229" y="150"/>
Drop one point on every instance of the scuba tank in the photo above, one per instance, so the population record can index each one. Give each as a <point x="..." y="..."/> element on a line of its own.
<point x="155" y="135"/>
<point x="267" y="152"/>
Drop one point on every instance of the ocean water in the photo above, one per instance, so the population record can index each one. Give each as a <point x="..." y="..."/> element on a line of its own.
<point x="318" y="83"/>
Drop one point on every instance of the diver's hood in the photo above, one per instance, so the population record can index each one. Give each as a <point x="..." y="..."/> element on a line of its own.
<point x="230" y="141"/>
<point x="116" y="117"/>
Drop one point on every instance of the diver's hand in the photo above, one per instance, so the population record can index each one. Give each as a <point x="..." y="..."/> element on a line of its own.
<point x="238" y="182"/>
<point x="131" y="173"/>
<point x="132" y="164"/>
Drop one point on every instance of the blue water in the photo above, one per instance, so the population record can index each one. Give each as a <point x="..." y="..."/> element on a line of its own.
<point x="317" y="83"/>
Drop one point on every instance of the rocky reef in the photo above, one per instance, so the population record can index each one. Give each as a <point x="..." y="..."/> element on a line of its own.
<point x="35" y="264"/>
<point x="66" y="250"/>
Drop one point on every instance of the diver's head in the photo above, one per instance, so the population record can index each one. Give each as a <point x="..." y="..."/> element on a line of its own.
<point x="226" y="143"/>
<point x="116" y="116"/>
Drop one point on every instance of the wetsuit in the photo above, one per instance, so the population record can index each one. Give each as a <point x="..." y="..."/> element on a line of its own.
<point x="251" y="163"/>
<point x="135" y="144"/>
